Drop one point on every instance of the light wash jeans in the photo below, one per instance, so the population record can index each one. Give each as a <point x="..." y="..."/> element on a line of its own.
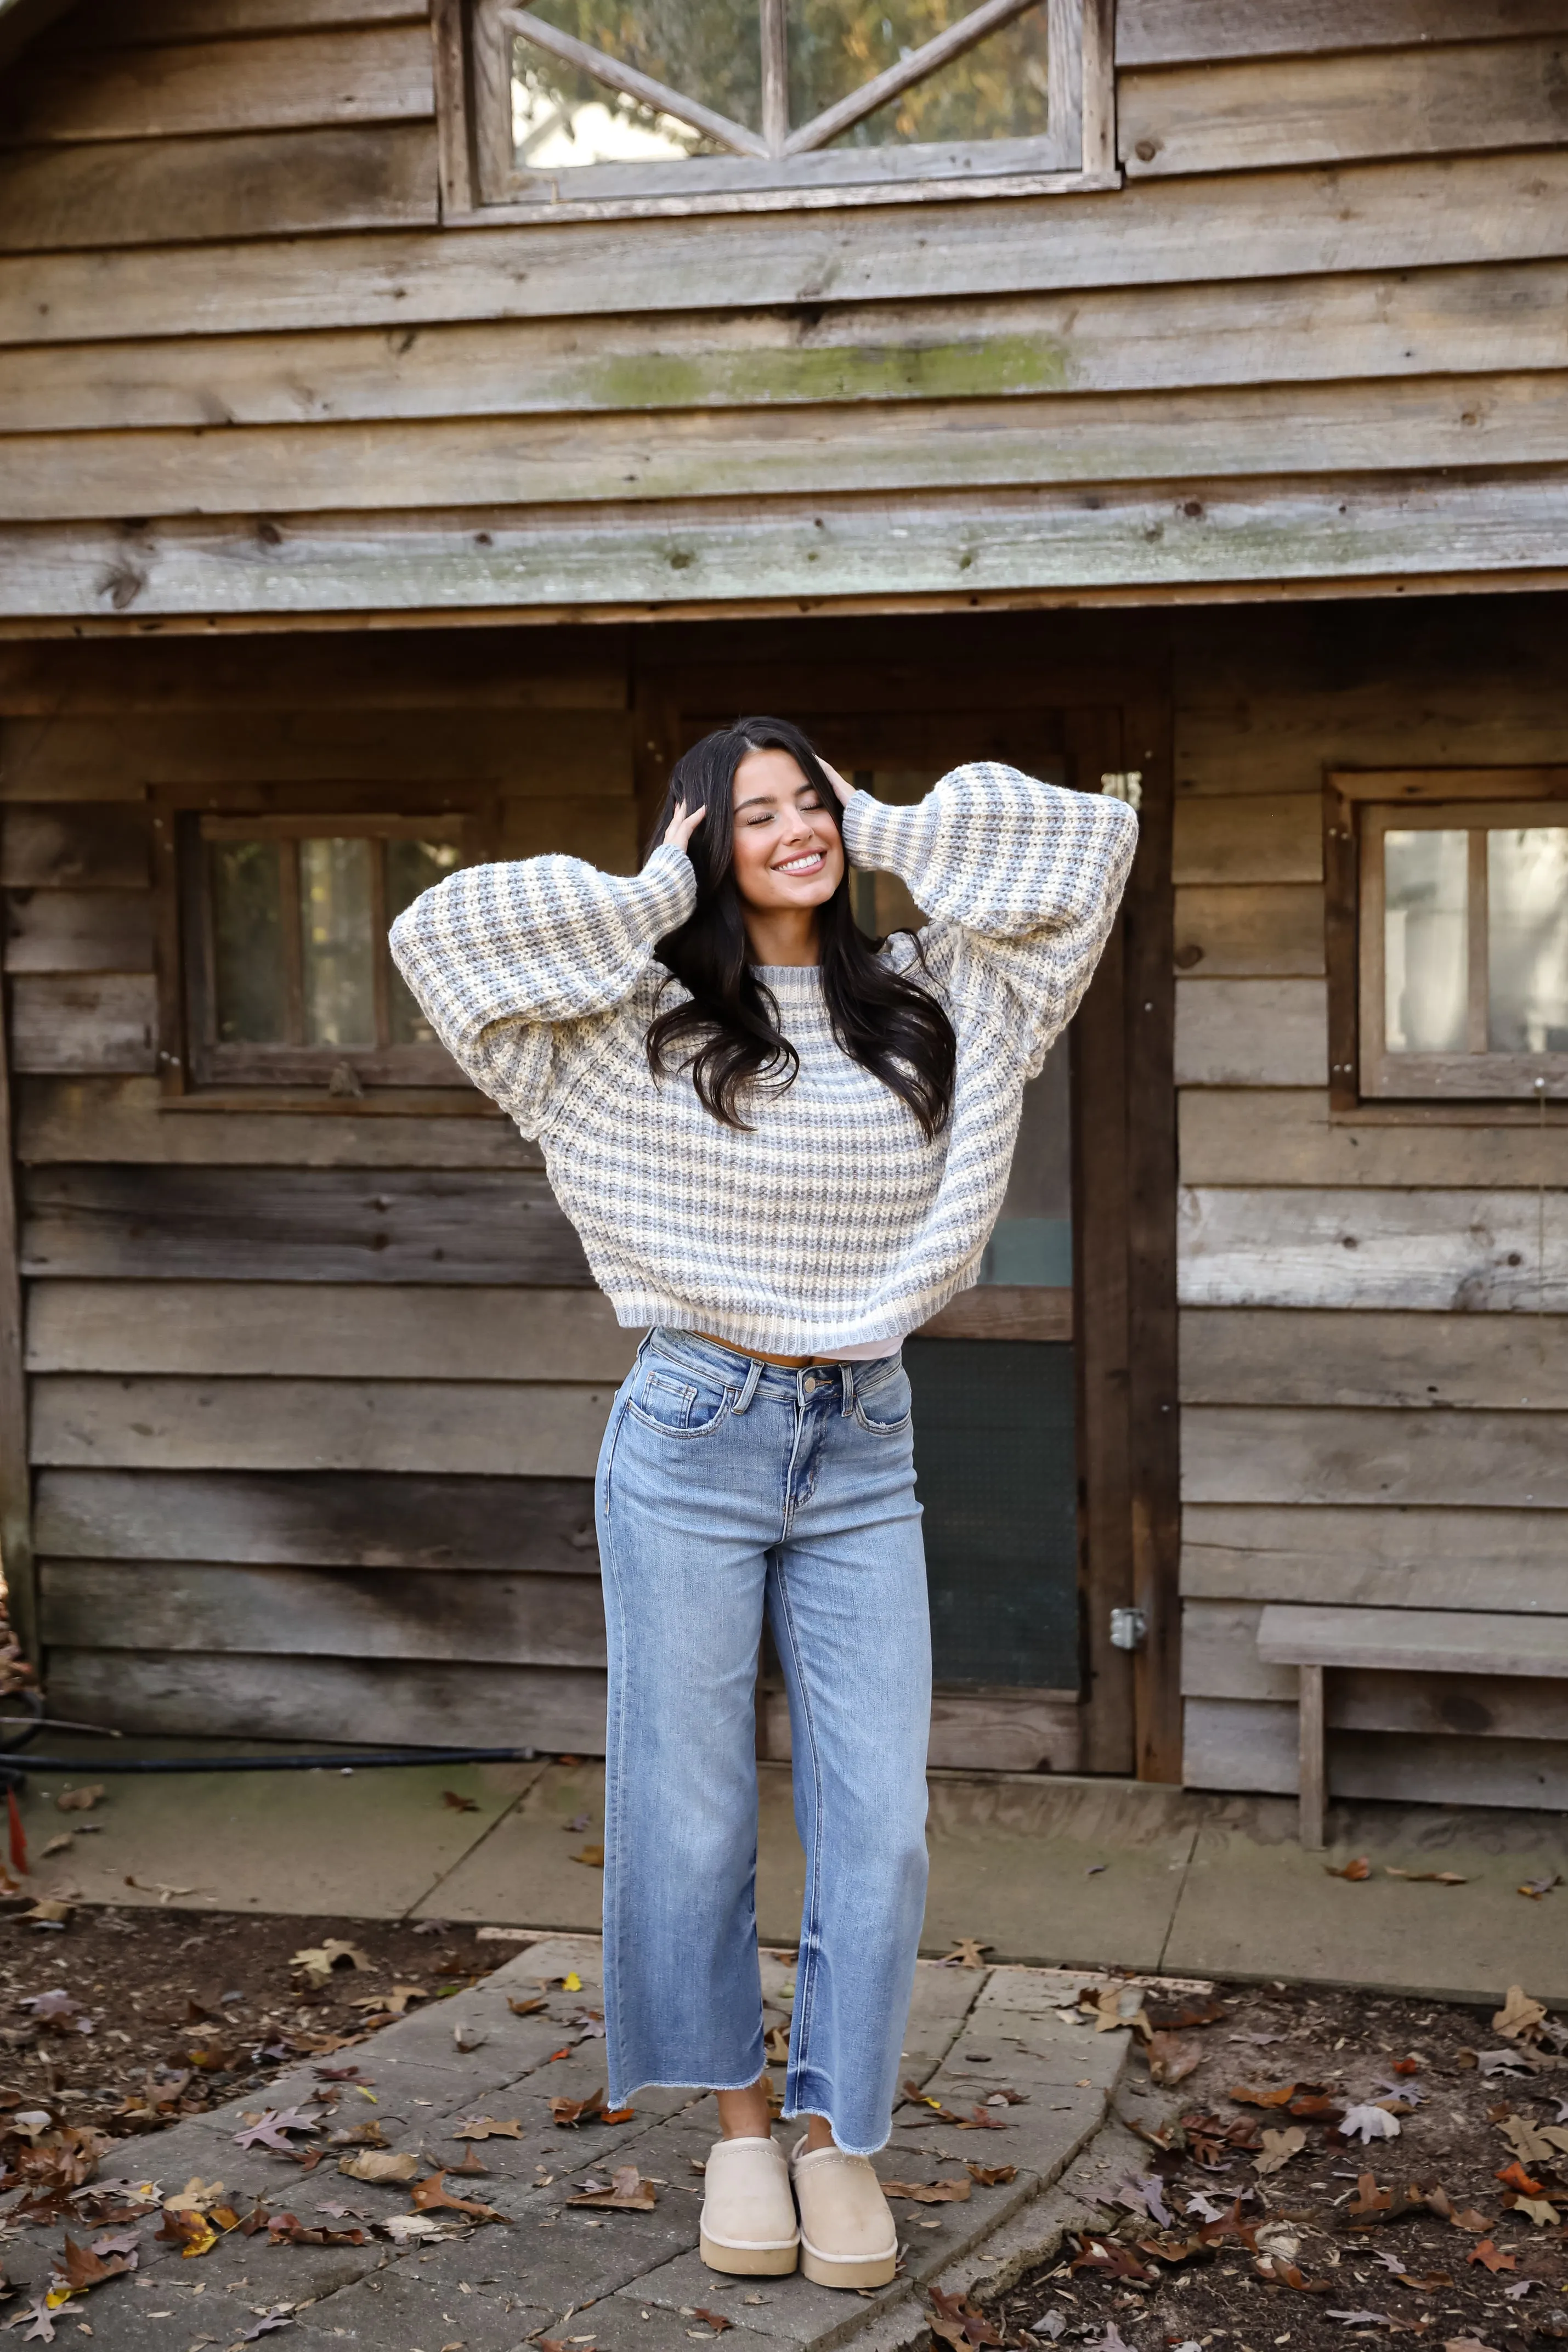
<point x="726" y="1486"/>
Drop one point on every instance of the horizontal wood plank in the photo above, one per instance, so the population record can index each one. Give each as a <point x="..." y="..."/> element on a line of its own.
<point x="157" y="191"/>
<point x="1250" y="1137"/>
<point x="1250" y="1744"/>
<point x="320" y="1519"/>
<point x="1221" y="1659"/>
<point x="603" y="829"/>
<point x="926" y="445"/>
<point x="976" y="1731"/>
<point x="1467" y="210"/>
<point x="1256" y="115"/>
<point x="130" y="1120"/>
<point x="481" y="1428"/>
<point x="1240" y="930"/>
<point x="1410" y="1556"/>
<point x="1271" y="837"/>
<point x="322" y="1226"/>
<point x="273" y="82"/>
<point x="89" y="1022"/>
<point x="1432" y="1251"/>
<point x="329" y="1330"/>
<point x="1276" y="1355"/>
<point x="719" y="550"/>
<point x="1490" y="319"/>
<point x="173" y="1694"/>
<point x="558" y="755"/>
<point x="1257" y="1454"/>
<point x="497" y="1620"/>
<point x="1411" y="1641"/>
<point x="1196" y="31"/>
<point x="1261" y="1033"/>
<point x="1003" y="1310"/>
<point x="73" y="849"/>
<point x="132" y="23"/>
<point x="77" y="930"/>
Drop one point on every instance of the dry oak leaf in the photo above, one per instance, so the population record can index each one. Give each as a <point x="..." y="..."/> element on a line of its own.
<point x="715" y="2319"/>
<point x="472" y="2167"/>
<point x="1489" y="2254"/>
<point x="930" y="2193"/>
<point x="1426" y="1877"/>
<point x="319" y="1960"/>
<point x="1439" y="2201"/>
<point x="568" y="2112"/>
<point x="525" y="2007"/>
<point x="76" y="2268"/>
<point x="1514" y="2175"/>
<point x="991" y="2176"/>
<point x="1109" y="2254"/>
<point x="1245" y="2096"/>
<point x="628" y="2192"/>
<point x="42" y="2330"/>
<point x="79" y="1800"/>
<point x="1357" y="1869"/>
<point x="1275" y="2269"/>
<point x="433" y="2192"/>
<point x="372" y="2164"/>
<point x="1534" y="1888"/>
<point x="775" y="2044"/>
<point x="1465" y="2344"/>
<point x="487" y="2127"/>
<point x="1368" y="2123"/>
<point x="957" y="2323"/>
<point x="966" y="1954"/>
<point x="1532" y="2146"/>
<point x="393" y="2003"/>
<point x="591" y="1857"/>
<point x="450" y="1797"/>
<point x="1520" y="2018"/>
<point x="268" y="2129"/>
<point x="1279" y="2147"/>
<point x="1171" y="2059"/>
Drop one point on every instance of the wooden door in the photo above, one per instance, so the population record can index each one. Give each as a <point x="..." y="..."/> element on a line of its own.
<point x="1023" y="1385"/>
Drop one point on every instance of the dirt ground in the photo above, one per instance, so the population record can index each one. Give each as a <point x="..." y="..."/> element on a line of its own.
<point x="1261" y="2219"/>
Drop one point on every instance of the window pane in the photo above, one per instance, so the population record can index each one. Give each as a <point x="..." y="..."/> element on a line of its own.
<point x="247" y="944"/>
<point x="995" y="91"/>
<point x="1527" y="939"/>
<point x="707" y="50"/>
<point x="1424" y="954"/>
<point x="1032" y="1239"/>
<point x="412" y="866"/>
<point x="339" y="949"/>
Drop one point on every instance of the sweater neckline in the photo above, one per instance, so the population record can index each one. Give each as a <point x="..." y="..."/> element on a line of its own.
<point x="796" y="981"/>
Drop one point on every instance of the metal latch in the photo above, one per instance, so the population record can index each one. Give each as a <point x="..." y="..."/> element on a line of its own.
<point x="1129" y="1629"/>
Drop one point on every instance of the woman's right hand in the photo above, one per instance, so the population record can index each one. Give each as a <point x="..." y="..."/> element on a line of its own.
<point x="682" y="826"/>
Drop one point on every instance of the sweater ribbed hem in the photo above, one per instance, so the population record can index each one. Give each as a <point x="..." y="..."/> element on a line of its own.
<point x="789" y="1335"/>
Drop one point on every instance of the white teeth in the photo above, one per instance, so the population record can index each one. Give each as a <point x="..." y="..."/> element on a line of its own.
<point x="800" y="865"/>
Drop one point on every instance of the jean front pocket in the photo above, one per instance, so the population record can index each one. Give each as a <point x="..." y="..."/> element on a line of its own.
<point x="886" y="1410"/>
<point x="677" y="1406"/>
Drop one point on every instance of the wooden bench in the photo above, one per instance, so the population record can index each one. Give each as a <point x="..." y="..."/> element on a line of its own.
<point x="1395" y="1640"/>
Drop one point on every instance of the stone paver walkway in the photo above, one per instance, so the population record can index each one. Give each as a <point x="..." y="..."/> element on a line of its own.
<point x="596" y="2281"/>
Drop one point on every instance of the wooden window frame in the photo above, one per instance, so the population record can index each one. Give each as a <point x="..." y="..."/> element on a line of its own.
<point x="196" y="1069"/>
<point x="781" y="168"/>
<point x="1359" y="808"/>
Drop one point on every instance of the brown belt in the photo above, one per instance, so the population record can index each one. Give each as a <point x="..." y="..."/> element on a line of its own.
<point x="786" y="1363"/>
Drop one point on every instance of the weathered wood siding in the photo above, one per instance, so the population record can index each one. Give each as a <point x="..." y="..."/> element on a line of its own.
<point x="1317" y="337"/>
<point x="313" y="1398"/>
<point x="1375" y="1325"/>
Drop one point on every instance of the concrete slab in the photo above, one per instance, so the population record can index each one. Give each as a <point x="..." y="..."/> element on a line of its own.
<point x="1253" y="1904"/>
<point x="358" y="1844"/>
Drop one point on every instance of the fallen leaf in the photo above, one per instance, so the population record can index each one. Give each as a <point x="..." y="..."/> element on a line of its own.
<point x="1426" y="1877"/>
<point x="933" y="2192"/>
<point x="42" y="2330"/>
<point x="269" y="2129"/>
<point x="76" y="2268"/>
<point x="1358" y="1869"/>
<point x="966" y="1954"/>
<point x="486" y="2127"/>
<point x="49" y="1911"/>
<point x="1520" y="2018"/>
<point x="1368" y="2123"/>
<point x="991" y="2176"/>
<point x="1170" y="2060"/>
<point x="472" y="2167"/>
<point x="715" y="2319"/>
<point x="628" y="2192"/>
<point x="405" y="2229"/>
<point x="394" y="2003"/>
<point x="1278" y="2269"/>
<point x="1245" y="2096"/>
<point x="56" y="1845"/>
<point x="572" y="1981"/>
<point x="1539" y="2209"/>
<point x="79" y="1800"/>
<point x="1488" y="2253"/>
<point x="1514" y="2175"/>
<point x="1465" y="2344"/>
<point x="459" y="1804"/>
<point x="433" y="2192"/>
<point x="1110" y="2255"/>
<point x="568" y="2113"/>
<point x="957" y="2323"/>
<point x="1279" y="2147"/>
<point x="278" y="2317"/>
<point x="776" y="2045"/>
<point x="1532" y="2146"/>
<point x="591" y="1857"/>
<point x="319" y="1960"/>
<point x="525" y="2007"/>
<point x="371" y="2164"/>
<point x="1534" y="1888"/>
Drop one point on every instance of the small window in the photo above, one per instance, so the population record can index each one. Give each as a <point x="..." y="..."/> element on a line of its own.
<point x="1462" y="923"/>
<point x="289" y="977"/>
<point x="753" y="99"/>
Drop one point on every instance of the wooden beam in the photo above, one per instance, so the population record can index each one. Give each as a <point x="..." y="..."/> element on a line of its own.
<point x="15" y="1485"/>
<point x="276" y="81"/>
<point x="1255" y="1453"/>
<point x="1312" y="1786"/>
<point x="1207" y="32"/>
<point x="1450" y="1251"/>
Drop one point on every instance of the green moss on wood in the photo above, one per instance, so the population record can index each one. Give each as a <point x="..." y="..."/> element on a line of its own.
<point x="1005" y="363"/>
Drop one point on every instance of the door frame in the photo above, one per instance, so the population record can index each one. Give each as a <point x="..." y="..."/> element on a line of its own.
<point x="1114" y="716"/>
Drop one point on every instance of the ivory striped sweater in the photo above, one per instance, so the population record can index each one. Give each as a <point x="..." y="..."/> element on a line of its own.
<point x="834" y="1221"/>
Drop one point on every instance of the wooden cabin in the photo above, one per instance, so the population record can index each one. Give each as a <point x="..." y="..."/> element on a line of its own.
<point x="418" y="420"/>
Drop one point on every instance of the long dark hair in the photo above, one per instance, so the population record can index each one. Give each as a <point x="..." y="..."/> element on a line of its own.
<point x="726" y="1032"/>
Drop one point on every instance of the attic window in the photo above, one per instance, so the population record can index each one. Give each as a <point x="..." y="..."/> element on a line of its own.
<point x="759" y="101"/>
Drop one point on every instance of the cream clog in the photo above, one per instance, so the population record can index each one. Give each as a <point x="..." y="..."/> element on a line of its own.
<point x="847" y="2234"/>
<point x="749" y="2215"/>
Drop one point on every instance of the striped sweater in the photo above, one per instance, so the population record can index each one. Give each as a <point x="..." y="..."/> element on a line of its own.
<point x="834" y="1221"/>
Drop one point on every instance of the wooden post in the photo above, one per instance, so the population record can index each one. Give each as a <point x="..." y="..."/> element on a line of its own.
<point x="15" y="1492"/>
<point x="1312" y="1782"/>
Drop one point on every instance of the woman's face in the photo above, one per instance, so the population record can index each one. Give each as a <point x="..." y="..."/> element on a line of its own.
<point x="788" y="849"/>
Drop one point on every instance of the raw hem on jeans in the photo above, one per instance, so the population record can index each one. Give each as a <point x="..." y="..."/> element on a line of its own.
<point x="804" y="2115"/>
<point x="662" y="2082"/>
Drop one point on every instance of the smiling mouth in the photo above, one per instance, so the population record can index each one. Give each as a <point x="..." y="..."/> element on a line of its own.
<point x="811" y="863"/>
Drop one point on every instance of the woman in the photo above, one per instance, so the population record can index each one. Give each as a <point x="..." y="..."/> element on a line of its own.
<point x="784" y="1147"/>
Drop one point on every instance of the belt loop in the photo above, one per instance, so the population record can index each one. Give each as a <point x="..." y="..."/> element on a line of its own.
<point x="847" y="1374"/>
<point x="748" y="1389"/>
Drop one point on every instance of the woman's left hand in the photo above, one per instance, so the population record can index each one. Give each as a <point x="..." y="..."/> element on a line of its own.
<point x="846" y="792"/>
